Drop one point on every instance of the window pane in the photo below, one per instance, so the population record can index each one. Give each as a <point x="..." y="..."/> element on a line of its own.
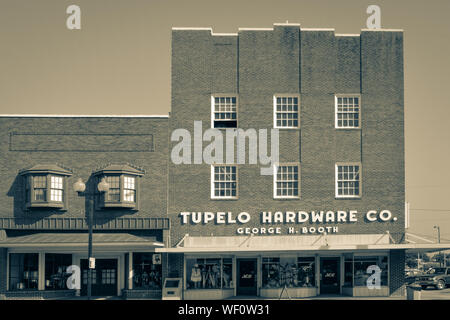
<point x="55" y="271"/>
<point x="146" y="275"/>
<point x="113" y="193"/>
<point x="207" y="273"/>
<point x="286" y="112"/>
<point x="286" y="180"/>
<point x="225" y="181"/>
<point x="225" y="112"/>
<point x="347" y="112"/>
<point x="348" y="182"/>
<point x="271" y="273"/>
<point x="23" y="271"/>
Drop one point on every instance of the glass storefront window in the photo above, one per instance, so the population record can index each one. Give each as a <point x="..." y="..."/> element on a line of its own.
<point x="146" y="273"/>
<point x="271" y="273"/>
<point x="289" y="271"/>
<point x="23" y="271"/>
<point x="361" y="264"/>
<point x="227" y="273"/>
<point x="306" y="272"/>
<point x="55" y="270"/>
<point x="209" y="273"/>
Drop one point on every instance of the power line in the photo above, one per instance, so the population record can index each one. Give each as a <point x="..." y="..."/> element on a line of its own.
<point x="439" y="210"/>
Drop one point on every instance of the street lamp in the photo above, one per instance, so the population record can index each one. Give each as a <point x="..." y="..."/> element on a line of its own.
<point x="80" y="188"/>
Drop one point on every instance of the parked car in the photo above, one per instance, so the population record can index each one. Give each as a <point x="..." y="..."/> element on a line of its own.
<point x="412" y="274"/>
<point x="436" y="277"/>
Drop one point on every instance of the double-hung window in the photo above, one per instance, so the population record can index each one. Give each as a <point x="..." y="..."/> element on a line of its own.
<point x="224" y="111"/>
<point x="348" y="180"/>
<point x="223" y="182"/>
<point x="286" y="181"/>
<point x="348" y="109"/>
<point x="286" y="111"/>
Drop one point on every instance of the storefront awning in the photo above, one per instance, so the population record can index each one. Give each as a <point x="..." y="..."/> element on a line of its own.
<point x="78" y="240"/>
<point x="354" y="242"/>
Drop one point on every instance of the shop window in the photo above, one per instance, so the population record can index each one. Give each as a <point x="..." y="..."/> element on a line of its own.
<point x="146" y="271"/>
<point x="271" y="273"/>
<point x="224" y="111"/>
<point x="348" y="180"/>
<point x="361" y="265"/>
<point x="306" y="272"/>
<point x="211" y="273"/>
<point x="123" y="190"/>
<point x="45" y="186"/>
<point x="286" y="181"/>
<point x="23" y="271"/>
<point x="289" y="271"/>
<point x="347" y="111"/>
<point x="224" y="182"/>
<point x="286" y="111"/>
<point x="55" y="271"/>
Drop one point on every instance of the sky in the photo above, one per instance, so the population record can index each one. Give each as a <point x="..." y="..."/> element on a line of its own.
<point x="119" y="63"/>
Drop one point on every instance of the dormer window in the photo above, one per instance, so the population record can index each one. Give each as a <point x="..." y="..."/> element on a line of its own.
<point x="123" y="190"/>
<point x="45" y="186"/>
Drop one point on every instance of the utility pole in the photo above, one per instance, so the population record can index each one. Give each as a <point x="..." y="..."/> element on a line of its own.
<point x="439" y="241"/>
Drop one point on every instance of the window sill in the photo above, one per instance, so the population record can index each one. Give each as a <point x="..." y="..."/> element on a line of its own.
<point x="57" y="205"/>
<point x="339" y="128"/>
<point x="287" y="128"/>
<point x="286" y="198"/>
<point x="348" y="198"/>
<point x="226" y="199"/>
<point x="118" y="205"/>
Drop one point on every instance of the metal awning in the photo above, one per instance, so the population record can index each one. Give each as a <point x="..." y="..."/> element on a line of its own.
<point x="355" y="242"/>
<point x="79" y="240"/>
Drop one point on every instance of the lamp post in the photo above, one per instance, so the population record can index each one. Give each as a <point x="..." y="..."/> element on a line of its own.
<point x="80" y="188"/>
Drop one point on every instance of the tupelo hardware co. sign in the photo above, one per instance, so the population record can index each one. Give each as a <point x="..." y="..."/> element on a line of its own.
<point x="286" y="217"/>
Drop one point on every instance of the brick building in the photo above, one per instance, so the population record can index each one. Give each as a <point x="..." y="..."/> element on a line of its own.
<point x="337" y="101"/>
<point x="327" y="216"/>
<point x="43" y="226"/>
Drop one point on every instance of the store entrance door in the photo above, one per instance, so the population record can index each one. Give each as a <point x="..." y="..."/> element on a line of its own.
<point x="246" y="276"/>
<point x="104" y="277"/>
<point x="329" y="276"/>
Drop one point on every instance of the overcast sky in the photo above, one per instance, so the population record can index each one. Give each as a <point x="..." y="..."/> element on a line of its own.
<point x="119" y="63"/>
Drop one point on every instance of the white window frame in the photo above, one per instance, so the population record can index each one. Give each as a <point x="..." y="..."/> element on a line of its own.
<point x="350" y="95"/>
<point x="291" y="164"/>
<point x="287" y="95"/>
<point x="213" y="196"/>
<point x="338" y="164"/>
<point x="213" y="109"/>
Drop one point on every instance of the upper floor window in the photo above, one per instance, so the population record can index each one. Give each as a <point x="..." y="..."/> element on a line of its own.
<point x="348" y="180"/>
<point x="45" y="186"/>
<point x="286" y="181"/>
<point x="286" y="111"/>
<point x="224" y="111"/>
<point x="348" y="111"/>
<point x="123" y="187"/>
<point x="223" y="182"/>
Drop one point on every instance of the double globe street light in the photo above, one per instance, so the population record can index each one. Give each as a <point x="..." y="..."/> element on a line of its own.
<point x="80" y="188"/>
